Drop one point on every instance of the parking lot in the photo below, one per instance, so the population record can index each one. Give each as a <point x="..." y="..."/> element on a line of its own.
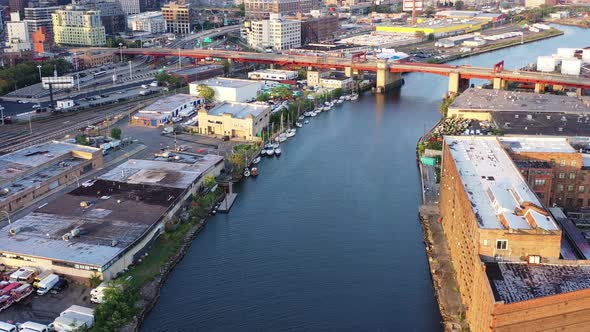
<point x="44" y="309"/>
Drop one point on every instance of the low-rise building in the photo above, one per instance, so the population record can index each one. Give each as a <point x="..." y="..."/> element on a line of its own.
<point x="32" y="172"/>
<point x="437" y="29"/>
<point x="329" y="80"/>
<point x="152" y="22"/>
<point x="18" y="38"/>
<point x="236" y="120"/>
<point x="92" y="59"/>
<point x="229" y="89"/>
<point x="163" y="110"/>
<point x="203" y="72"/>
<point x="273" y="75"/>
<point x="107" y="224"/>
<point x="179" y="17"/>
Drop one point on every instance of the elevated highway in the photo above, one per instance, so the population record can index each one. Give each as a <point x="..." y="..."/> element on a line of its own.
<point x="388" y="73"/>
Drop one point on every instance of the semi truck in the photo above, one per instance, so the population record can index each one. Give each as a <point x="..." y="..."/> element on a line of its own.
<point x="74" y="318"/>
<point x="32" y="327"/>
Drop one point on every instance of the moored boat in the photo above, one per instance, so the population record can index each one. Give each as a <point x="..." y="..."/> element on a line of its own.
<point x="254" y="171"/>
<point x="278" y="151"/>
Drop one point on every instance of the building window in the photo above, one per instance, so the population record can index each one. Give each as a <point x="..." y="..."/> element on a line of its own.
<point x="539" y="182"/>
<point x="570" y="188"/>
<point x="562" y="162"/>
<point x="562" y="175"/>
<point x="581" y="189"/>
<point x="574" y="163"/>
<point x="559" y="187"/>
<point x="486" y="243"/>
<point x="572" y="175"/>
<point x="501" y="244"/>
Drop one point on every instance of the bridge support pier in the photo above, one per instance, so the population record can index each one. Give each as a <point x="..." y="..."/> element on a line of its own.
<point x="579" y="92"/>
<point x="539" y="87"/>
<point x="349" y="71"/>
<point x="499" y="84"/>
<point x="387" y="80"/>
<point x="457" y="84"/>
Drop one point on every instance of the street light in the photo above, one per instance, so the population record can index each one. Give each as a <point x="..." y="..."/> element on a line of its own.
<point x="2" y="114"/>
<point x="7" y="215"/>
<point x="130" y="74"/>
<point x="121" y="51"/>
<point x="39" y="67"/>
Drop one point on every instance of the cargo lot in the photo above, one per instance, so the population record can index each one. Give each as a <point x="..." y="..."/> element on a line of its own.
<point x="44" y="309"/>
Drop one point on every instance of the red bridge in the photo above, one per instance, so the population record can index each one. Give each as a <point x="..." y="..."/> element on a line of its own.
<point x="388" y="73"/>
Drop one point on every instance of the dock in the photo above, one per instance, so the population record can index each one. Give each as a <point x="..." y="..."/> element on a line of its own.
<point x="227" y="202"/>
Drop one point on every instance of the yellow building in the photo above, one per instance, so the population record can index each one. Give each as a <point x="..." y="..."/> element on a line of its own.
<point x="236" y="120"/>
<point x="438" y="30"/>
<point x="74" y="25"/>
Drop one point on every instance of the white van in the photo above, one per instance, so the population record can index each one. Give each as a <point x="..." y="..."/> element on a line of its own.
<point x="5" y="327"/>
<point x="33" y="327"/>
<point x="47" y="284"/>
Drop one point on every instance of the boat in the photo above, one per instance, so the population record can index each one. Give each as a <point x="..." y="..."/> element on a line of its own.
<point x="347" y="97"/>
<point x="291" y="132"/>
<point x="262" y="153"/>
<point x="339" y="101"/>
<point x="307" y="114"/>
<point x="278" y="152"/>
<point x="246" y="172"/>
<point x="327" y="108"/>
<point x="327" y="103"/>
<point x="270" y="152"/>
<point x="301" y="117"/>
<point x="256" y="160"/>
<point x="313" y="114"/>
<point x="282" y="138"/>
<point x="354" y="97"/>
<point x="298" y="124"/>
<point x="275" y="145"/>
<point x="306" y="122"/>
<point x="268" y="145"/>
<point x="254" y="171"/>
<point x="341" y="98"/>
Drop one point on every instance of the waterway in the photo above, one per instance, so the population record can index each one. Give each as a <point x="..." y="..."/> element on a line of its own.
<point x="327" y="238"/>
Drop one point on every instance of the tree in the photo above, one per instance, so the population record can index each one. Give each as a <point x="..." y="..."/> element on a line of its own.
<point x="82" y="139"/>
<point x="420" y="34"/>
<point x="264" y="96"/>
<point x="206" y="92"/>
<point x="237" y="163"/>
<point x="116" y="310"/>
<point x="281" y="92"/>
<point x="226" y="66"/>
<point x="459" y="5"/>
<point x="302" y="73"/>
<point x="336" y="93"/>
<point x="116" y="133"/>
<point x="209" y="181"/>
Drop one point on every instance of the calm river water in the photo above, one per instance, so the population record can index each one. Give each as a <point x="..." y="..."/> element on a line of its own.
<point x="327" y="238"/>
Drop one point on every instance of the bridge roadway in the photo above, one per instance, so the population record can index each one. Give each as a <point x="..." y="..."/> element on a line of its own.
<point x="457" y="74"/>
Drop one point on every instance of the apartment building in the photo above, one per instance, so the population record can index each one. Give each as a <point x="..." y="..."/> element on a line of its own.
<point x="75" y="25"/>
<point x="276" y="33"/>
<point x="179" y="17"/>
<point x="17" y="35"/>
<point x="37" y="17"/>
<point x="152" y="22"/>
<point x="130" y="7"/>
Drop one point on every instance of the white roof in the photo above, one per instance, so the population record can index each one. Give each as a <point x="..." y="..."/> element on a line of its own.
<point x="537" y="144"/>
<point x="494" y="184"/>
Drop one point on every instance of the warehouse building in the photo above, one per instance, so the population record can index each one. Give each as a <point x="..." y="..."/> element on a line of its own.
<point x="163" y="110"/>
<point x="107" y="224"/>
<point x="229" y="89"/>
<point x="30" y="173"/>
<point x="273" y="75"/>
<point x="436" y="28"/>
<point x="236" y="120"/>
<point x="504" y="245"/>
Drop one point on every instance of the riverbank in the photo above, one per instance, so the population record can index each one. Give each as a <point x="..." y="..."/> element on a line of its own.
<point x="574" y="22"/>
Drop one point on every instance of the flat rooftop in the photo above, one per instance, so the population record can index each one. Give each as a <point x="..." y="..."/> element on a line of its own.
<point x="516" y="282"/>
<point x="168" y="104"/>
<point x="163" y="173"/>
<point x="494" y="185"/>
<point x="537" y="144"/>
<point x="117" y="215"/>
<point x="488" y="100"/>
<point x="228" y="82"/>
<point x="535" y="123"/>
<point x="273" y="71"/>
<point x="379" y="39"/>
<point x="238" y="110"/>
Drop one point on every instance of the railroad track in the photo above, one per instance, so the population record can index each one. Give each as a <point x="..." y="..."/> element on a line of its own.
<point x="54" y="128"/>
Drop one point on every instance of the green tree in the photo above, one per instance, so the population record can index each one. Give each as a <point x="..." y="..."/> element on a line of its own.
<point x="82" y="139"/>
<point x="282" y="92"/>
<point x="459" y="5"/>
<point x="264" y="96"/>
<point x="116" y="133"/>
<point x="242" y="10"/>
<point x="420" y="34"/>
<point x="206" y="92"/>
<point x="95" y="280"/>
<point x="336" y="93"/>
<point x="226" y="66"/>
<point x="209" y="181"/>
<point x="237" y="163"/>
<point x="116" y="310"/>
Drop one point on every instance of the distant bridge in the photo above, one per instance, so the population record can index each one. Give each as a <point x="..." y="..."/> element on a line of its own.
<point x="388" y="73"/>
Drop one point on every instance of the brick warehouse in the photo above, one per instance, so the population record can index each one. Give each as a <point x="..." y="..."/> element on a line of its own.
<point x="494" y="224"/>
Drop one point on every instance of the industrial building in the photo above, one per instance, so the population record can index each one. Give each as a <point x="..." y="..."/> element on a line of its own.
<point x="229" y="89"/>
<point x="163" y="110"/>
<point x="32" y="172"/>
<point x="329" y="80"/>
<point x="261" y="9"/>
<point x="107" y="224"/>
<point x="74" y="25"/>
<point x="236" y="120"/>
<point x="437" y="28"/>
<point x="196" y="73"/>
<point x="504" y="245"/>
<point x="273" y="75"/>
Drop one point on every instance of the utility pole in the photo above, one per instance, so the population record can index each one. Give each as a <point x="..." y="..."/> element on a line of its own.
<point x="130" y="73"/>
<point x="2" y="114"/>
<point x="179" y="60"/>
<point x="121" y="52"/>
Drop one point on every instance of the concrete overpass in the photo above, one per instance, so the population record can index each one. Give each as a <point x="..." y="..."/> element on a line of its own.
<point x="388" y="73"/>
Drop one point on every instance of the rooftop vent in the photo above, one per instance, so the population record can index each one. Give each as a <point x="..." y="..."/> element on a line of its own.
<point x="14" y="231"/>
